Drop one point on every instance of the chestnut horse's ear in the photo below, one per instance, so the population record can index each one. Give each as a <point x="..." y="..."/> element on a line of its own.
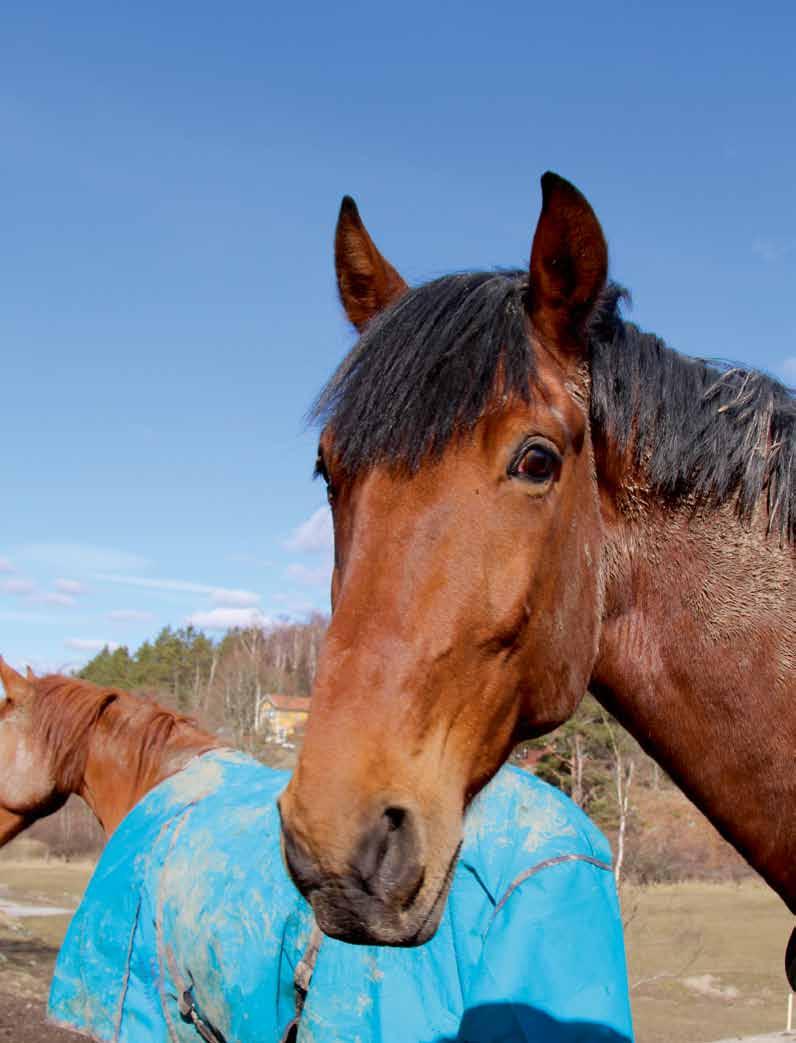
<point x="569" y="264"/>
<point x="30" y="677"/>
<point x="15" y="685"/>
<point x="366" y="281"/>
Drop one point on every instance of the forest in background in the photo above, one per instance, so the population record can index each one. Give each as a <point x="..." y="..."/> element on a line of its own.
<point x="657" y="835"/>
<point x="221" y="683"/>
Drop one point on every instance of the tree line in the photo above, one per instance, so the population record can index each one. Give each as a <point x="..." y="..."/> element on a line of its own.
<point x="223" y="683"/>
<point x="180" y="662"/>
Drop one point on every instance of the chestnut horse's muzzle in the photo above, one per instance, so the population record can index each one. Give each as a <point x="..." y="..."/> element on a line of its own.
<point x="379" y="897"/>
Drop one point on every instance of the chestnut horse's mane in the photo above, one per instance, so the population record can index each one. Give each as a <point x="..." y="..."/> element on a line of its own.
<point x="65" y="710"/>
<point x="426" y="369"/>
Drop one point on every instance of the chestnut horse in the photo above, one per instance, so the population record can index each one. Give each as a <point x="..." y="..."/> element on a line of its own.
<point x="532" y="497"/>
<point x="60" y="735"/>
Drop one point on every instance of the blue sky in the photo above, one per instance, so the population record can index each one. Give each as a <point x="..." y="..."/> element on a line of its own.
<point x="169" y="181"/>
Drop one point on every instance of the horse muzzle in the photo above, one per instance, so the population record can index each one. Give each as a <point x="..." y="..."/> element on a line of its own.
<point x="383" y="895"/>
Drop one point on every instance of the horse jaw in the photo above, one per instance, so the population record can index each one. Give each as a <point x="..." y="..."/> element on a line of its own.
<point x="11" y="825"/>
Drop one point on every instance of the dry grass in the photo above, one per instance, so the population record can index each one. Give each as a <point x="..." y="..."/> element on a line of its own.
<point x="51" y="883"/>
<point x="706" y="961"/>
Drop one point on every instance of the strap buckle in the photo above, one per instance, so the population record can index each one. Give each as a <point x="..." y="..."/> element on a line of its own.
<point x="187" y="1008"/>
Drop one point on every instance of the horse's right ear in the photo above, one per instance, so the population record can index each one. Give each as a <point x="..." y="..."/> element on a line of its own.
<point x="366" y="281"/>
<point x="15" y="685"/>
<point x="569" y="265"/>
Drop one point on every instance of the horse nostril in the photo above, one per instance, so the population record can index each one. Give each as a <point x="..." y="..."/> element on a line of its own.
<point x="388" y="858"/>
<point x="395" y="818"/>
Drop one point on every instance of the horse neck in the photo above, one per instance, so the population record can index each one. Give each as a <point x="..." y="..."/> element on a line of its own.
<point x="124" y="762"/>
<point x="697" y="660"/>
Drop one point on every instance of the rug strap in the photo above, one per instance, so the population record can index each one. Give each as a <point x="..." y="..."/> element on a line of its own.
<point x="302" y="978"/>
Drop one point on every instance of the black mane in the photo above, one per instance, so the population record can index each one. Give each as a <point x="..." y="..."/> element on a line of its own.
<point x="427" y="369"/>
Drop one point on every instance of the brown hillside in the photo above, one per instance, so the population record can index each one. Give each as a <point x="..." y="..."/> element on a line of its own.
<point x="671" y="840"/>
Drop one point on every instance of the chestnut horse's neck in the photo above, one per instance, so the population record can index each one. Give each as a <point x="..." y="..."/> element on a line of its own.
<point x="698" y="660"/>
<point x="106" y="745"/>
<point x="132" y="747"/>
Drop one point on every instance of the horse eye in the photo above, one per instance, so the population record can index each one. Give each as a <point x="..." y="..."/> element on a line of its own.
<point x="320" y="468"/>
<point x="537" y="463"/>
<point x="322" y="472"/>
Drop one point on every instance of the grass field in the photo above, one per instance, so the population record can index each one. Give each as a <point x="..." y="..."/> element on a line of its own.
<point x="705" y="960"/>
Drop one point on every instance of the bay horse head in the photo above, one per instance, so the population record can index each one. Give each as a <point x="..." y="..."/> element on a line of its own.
<point x="467" y="589"/>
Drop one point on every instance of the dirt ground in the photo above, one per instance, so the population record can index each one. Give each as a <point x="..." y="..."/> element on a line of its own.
<point x="29" y="945"/>
<point x="705" y="960"/>
<point x="22" y="1020"/>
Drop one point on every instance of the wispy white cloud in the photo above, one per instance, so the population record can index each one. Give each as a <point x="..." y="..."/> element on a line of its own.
<point x="53" y="597"/>
<point x="228" y="618"/>
<point x="130" y="615"/>
<point x="27" y="590"/>
<point x="220" y="595"/>
<point x="311" y="576"/>
<point x="87" y="644"/>
<point x="315" y="535"/>
<point x="35" y="618"/>
<point x="80" y="558"/>
<point x="245" y="558"/>
<point x="235" y="598"/>
<point x="789" y="368"/>
<point x="181" y="586"/>
<point x="6" y="566"/>
<point x="294" y="606"/>
<point x="20" y="587"/>
<point x="73" y="587"/>
<point x="773" y="248"/>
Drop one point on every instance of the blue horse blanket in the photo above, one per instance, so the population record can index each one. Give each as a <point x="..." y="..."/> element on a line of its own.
<point x="191" y="900"/>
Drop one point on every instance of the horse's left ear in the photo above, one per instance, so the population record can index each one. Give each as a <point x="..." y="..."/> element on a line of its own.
<point x="15" y="685"/>
<point x="569" y="265"/>
<point x="367" y="282"/>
